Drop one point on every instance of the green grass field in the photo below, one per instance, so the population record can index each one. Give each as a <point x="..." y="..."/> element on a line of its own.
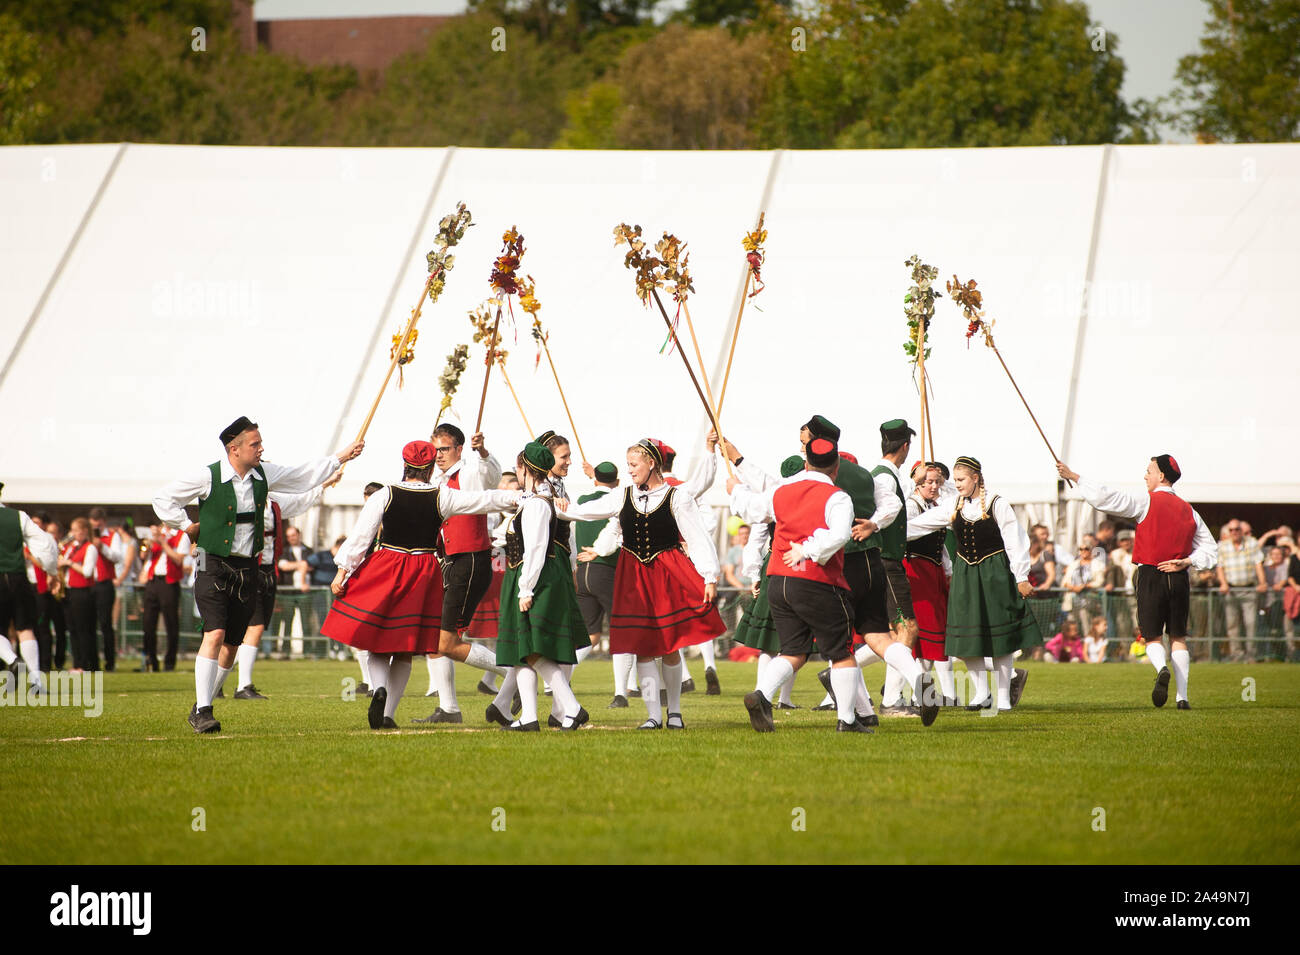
<point x="300" y="779"/>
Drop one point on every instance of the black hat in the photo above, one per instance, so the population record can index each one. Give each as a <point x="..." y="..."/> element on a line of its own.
<point x="971" y="464"/>
<point x="822" y="453"/>
<point x="819" y="427"/>
<point x="236" y="428"/>
<point x="538" y="458"/>
<point x="791" y="466"/>
<point x="943" y="468"/>
<point x="651" y="447"/>
<point x="896" y="429"/>
<point x="1168" y="467"/>
<point x="605" y="471"/>
<point x="544" y="437"/>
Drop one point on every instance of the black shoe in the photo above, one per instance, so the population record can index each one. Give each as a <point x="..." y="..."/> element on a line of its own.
<point x="823" y="707"/>
<point x="432" y="692"/>
<point x="375" y="713"/>
<point x="494" y="715"/>
<point x="525" y="727"/>
<point x="248" y="693"/>
<point x="899" y="709"/>
<point x="711" y="678"/>
<point x="786" y="706"/>
<point x="871" y="720"/>
<point x="1018" y="680"/>
<point x="441" y="716"/>
<point x="362" y="689"/>
<point x="634" y="693"/>
<point x="552" y="722"/>
<point x="986" y="705"/>
<point x="825" y="677"/>
<point x="651" y="725"/>
<point x="1184" y="705"/>
<point x="516" y="704"/>
<point x="220" y="694"/>
<point x="1160" y="692"/>
<point x="618" y="703"/>
<point x="675" y="722"/>
<point x="928" y="698"/>
<point x="389" y="723"/>
<point x="688" y="685"/>
<point x="484" y="688"/>
<point x="760" y="712"/>
<point x="854" y="727"/>
<point x="203" y="721"/>
<point x="579" y="721"/>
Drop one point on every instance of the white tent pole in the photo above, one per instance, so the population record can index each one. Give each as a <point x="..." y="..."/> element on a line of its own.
<point x="63" y="261"/>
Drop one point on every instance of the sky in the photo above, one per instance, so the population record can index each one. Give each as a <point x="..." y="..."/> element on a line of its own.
<point x="1153" y="34"/>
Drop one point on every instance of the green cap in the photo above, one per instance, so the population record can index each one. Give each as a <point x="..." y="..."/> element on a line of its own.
<point x="538" y="458"/>
<point x="605" y="471"/>
<point x="895" y="429"/>
<point x="791" y="465"/>
<point x="822" y="428"/>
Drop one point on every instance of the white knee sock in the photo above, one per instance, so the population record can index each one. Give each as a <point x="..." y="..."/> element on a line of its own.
<point x="222" y="673"/>
<point x="245" y="656"/>
<point x="624" y="664"/>
<point x="506" y="692"/>
<point x="647" y="673"/>
<point x="561" y="692"/>
<point x="527" y="679"/>
<point x="709" y="655"/>
<point x="866" y="656"/>
<point x="7" y="650"/>
<point x="483" y="658"/>
<point x="900" y="658"/>
<point x="777" y="671"/>
<point x="31" y="653"/>
<point x="379" y="670"/>
<point x="1003" y="666"/>
<point x="1182" y="661"/>
<point x="363" y="661"/>
<point x="979" y="684"/>
<point x="763" y="660"/>
<point x="844" y="681"/>
<point x="443" y="671"/>
<point x="684" y="670"/>
<point x="582" y="653"/>
<point x="205" y="680"/>
<point x="862" y="698"/>
<point x="893" y="686"/>
<point x="988" y="663"/>
<point x="786" y="687"/>
<point x="399" y="671"/>
<point x="433" y="674"/>
<point x="674" y="668"/>
<point x="947" y="684"/>
<point x="1156" y="654"/>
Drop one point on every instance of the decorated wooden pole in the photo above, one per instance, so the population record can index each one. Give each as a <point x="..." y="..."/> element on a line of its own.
<point x="717" y="416"/>
<point x="754" y="258"/>
<point x="919" y="309"/>
<point x="529" y="303"/>
<point x="501" y="360"/>
<point x="487" y="371"/>
<point x="449" y="380"/>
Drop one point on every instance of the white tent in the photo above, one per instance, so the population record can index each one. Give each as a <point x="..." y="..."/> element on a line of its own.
<point x="140" y="286"/>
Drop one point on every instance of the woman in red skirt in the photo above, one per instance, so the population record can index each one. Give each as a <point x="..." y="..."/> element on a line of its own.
<point x="390" y="602"/>
<point x="663" y="601"/>
<point x="928" y="569"/>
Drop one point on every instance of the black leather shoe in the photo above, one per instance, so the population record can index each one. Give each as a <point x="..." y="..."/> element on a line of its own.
<point x="1018" y="679"/>
<point x="1160" y="692"/>
<point x="203" y="721"/>
<point x="823" y="707"/>
<point x="618" y="703"/>
<point x="389" y="723"/>
<point x="675" y="722"/>
<point x="363" y="689"/>
<point x="494" y="715"/>
<point x="375" y="712"/>
<point x="441" y="716"/>
<point x="714" y="688"/>
<point x="871" y="720"/>
<point x="552" y="722"/>
<point x="579" y="721"/>
<point x="688" y="685"/>
<point x="651" y="725"/>
<point x="484" y="688"/>
<point x="854" y="727"/>
<point x="825" y="677"/>
<point x="525" y="727"/>
<point x="760" y="712"/>
<point x="786" y="706"/>
<point x="1184" y="705"/>
<point x="927" y="697"/>
<point x="634" y="693"/>
<point x="986" y="705"/>
<point x="248" y="693"/>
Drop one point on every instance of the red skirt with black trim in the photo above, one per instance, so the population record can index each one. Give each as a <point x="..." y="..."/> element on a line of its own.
<point x="930" y="602"/>
<point x="659" y="607"/>
<point x="483" y="625"/>
<point x="392" y="604"/>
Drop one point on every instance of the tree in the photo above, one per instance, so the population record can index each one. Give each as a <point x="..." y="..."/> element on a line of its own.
<point x="1244" y="84"/>
<point x="20" y="76"/>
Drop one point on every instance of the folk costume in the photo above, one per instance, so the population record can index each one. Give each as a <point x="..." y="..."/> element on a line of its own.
<point x="1167" y="529"/>
<point x="162" y="575"/>
<point x="595" y="580"/>
<point x="658" y="591"/>
<point x="987" y="617"/>
<point x="232" y="518"/>
<point x="19" y="536"/>
<point x="929" y="569"/>
<point x="82" y="557"/>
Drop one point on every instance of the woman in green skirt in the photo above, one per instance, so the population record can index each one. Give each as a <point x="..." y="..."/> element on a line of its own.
<point x="541" y="625"/>
<point x="987" y="613"/>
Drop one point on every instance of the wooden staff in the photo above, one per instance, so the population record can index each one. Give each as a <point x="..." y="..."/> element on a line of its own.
<point x="705" y="375"/>
<point x="492" y="350"/>
<point x="920" y="365"/>
<point x="397" y="353"/>
<point x="685" y="361"/>
<point x="929" y="420"/>
<point x="735" y="332"/>
<point x="546" y="348"/>
<point x="1027" y="408"/>
<point x="527" y="427"/>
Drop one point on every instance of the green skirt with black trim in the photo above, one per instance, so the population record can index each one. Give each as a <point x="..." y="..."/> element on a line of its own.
<point x="552" y="627"/>
<point x="756" y="628"/>
<point x="987" y="617"/>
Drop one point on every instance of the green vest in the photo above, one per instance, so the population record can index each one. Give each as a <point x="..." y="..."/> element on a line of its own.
<point x="11" y="542"/>
<point x="856" y="482"/>
<point x="892" y="540"/>
<point x="586" y="532"/>
<point x="217" y="515"/>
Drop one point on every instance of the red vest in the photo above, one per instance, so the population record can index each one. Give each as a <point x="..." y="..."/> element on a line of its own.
<point x="105" y="569"/>
<point x="174" y="570"/>
<point x="273" y="537"/>
<point x="42" y="579"/>
<point x="465" y="533"/>
<point x="800" y="510"/>
<point x="77" y="554"/>
<point x="1166" y="533"/>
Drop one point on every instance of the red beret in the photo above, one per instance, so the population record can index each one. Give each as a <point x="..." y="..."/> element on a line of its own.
<point x="664" y="448"/>
<point x="849" y="457"/>
<point x="418" y="454"/>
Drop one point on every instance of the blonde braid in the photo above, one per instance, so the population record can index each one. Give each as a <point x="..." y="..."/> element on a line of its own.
<point x="983" y="510"/>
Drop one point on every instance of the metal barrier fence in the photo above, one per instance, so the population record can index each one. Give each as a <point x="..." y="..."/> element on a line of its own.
<point x="1242" y="624"/>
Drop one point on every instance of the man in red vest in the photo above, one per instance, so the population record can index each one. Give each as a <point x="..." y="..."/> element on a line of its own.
<point x="465" y="552"/>
<point x="112" y="549"/>
<point x="161" y="575"/>
<point x="1170" y="537"/>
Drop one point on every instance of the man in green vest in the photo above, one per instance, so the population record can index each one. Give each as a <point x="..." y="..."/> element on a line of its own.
<point x="231" y="495"/>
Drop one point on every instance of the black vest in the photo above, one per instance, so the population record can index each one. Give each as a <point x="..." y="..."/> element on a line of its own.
<point x="411" y="520"/>
<point x="978" y="539"/>
<point x="515" y="540"/>
<point x="646" y="536"/>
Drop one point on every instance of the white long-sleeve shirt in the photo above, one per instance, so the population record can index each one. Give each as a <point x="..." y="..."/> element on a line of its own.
<point x="699" y="546"/>
<point x="42" y="546"/>
<point x="916" y="506"/>
<point x="751" y="557"/>
<point x="826" y="541"/>
<point x="450" y="503"/>
<point x="534" y="530"/>
<point x="888" y="506"/>
<point x="291" y="505"/>
<point x="170" y="502"/>
<point x="477" y="473"/>
<point x="755" y="477"/>
<point x="1205" y="551"/>
<point x="1014" y="539"/>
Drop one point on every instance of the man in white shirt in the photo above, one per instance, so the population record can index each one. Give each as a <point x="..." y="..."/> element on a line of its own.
<point x="17" y="595"/>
